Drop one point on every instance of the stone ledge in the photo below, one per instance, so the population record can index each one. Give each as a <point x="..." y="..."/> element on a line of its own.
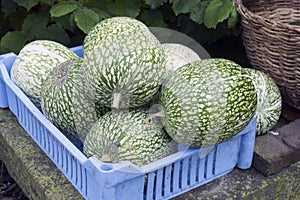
<point x="40" y="179"/>
<point x="250" y="184"/>
<point x="29" y="166"/>
<point x="274" y="152"/>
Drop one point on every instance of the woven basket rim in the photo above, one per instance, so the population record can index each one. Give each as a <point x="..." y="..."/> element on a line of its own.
<point x="246" y="13"/>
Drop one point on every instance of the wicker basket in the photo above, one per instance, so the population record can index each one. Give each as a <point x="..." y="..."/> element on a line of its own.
<point x="272" y="42"/>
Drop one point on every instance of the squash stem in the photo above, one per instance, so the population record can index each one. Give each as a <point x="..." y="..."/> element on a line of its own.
<point x="149" y="118"/>
<point x="116" y="100"/>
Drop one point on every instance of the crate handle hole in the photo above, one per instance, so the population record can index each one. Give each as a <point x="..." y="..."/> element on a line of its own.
<point x="106" y="167"/>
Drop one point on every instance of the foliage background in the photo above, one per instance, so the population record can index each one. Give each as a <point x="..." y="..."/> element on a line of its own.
<point x="68" y="21"/>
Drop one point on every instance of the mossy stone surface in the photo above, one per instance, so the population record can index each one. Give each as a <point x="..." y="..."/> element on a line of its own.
<point x="34" y="172"/>
<point x="249" y="184"/>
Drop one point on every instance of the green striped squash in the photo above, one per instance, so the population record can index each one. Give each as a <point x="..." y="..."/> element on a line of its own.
<point x="122" y="135"/>
<point x="269" y="102"/>
<point x="34" y="62"/>
<point x="124" y="62"/>
<point x="207" y="102"/>
<point x="66" y="101"/>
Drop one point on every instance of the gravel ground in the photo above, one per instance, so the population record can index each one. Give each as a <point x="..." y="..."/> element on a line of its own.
<point x="9" y="190"/>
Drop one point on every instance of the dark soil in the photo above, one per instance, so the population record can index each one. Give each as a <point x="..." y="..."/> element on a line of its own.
<point x="9" y="190"/>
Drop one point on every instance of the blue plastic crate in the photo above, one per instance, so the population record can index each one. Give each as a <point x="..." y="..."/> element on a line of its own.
<point x="162" y="179"/>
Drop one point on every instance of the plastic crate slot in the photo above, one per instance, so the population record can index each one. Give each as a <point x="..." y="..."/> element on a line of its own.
<point x="47" y="141"/>
<point x="65" y="161"/>
<point x="33" y="126"/>
<point x="78" y="174"/>
<point x="167" y="181"/>
<point x="60" y="155"/>
<point x="36" y="130"/>
<point x="83" y="181"/>
<point x="176" y="176"/>
<point x="150" y="185"/>
<point x="214" y="160"/>
<point x="73" y="169"/>
<point x="185" y="172"/>
<point x="51" y="145"/>
<point x="29" y="122"/>
<point x="69" y="164"/>
<point x="202" y="169"/>
<point x="193" y="175"/>
<point x="56" y="151"/>
<point x="25" y="119"/>
<point x="205" y="167"/>
<point x="159" y="184"/>
<point x="43" y="136"/>
<point x="20" y="110"/>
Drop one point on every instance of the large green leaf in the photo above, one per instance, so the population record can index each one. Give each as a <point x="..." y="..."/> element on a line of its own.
<point x="233" y="19"/>
<point x="130" y="8"/>
<point x="95" y="4"/>
<point x="99" y="7"/>
<point x="152" y="17"/>
<point x="102" y="14"/>
<point x="217" y="11"/>
<point x="183" y="6"/>
<point x="63" y="8"/>
<point x="55" y="33"/>
<point x="28" y="4"/>
<point x="197" y="13"/>
<point x="49" y="2"/>
<point x="16" y="19"/>
<point x="86" y="19"/>
<point x="8" y="6"/>
<point x="155" y="3"/>
<point x="66" y="21"/>
<point x="14" y="41"/>
<point x="34" y="22"/>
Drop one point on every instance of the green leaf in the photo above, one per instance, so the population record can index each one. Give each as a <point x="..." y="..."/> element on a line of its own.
<point x="102" y="14"/>
<point x="34" y="22"/>
<point x="16" y="19"/>
<point x="99" y="7"/>
<point x="152" y="18"/>
<point x="155" y="3"/>
<point x="8" y="6"/>
<point x="63" y="8"/>
<point x="197" y="13"/>
<point x="217" y="11"/>
<point x="14" y="41"/>
<point x="233" y="19"/>
<point x="49" y="2"/>
<point x="66" y="21"/>
<point x="130" y="8"/>
<point x="95" y="4"/>
<point x="28" y="4"/>
<point x="183" y="6"/>
<point x="55" y="33"/>
<point x="86" y="19"/>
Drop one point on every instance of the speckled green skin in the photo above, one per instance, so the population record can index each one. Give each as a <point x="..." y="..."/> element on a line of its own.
<point x="67" y="102"/>
<point x="34" y="62"/>
<point x="269" y="102"/>
<point x="207" y="102"/>
<point x="29" y="166"/>
<point x="128" y="135"/>
<point x="123" y="57"/>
